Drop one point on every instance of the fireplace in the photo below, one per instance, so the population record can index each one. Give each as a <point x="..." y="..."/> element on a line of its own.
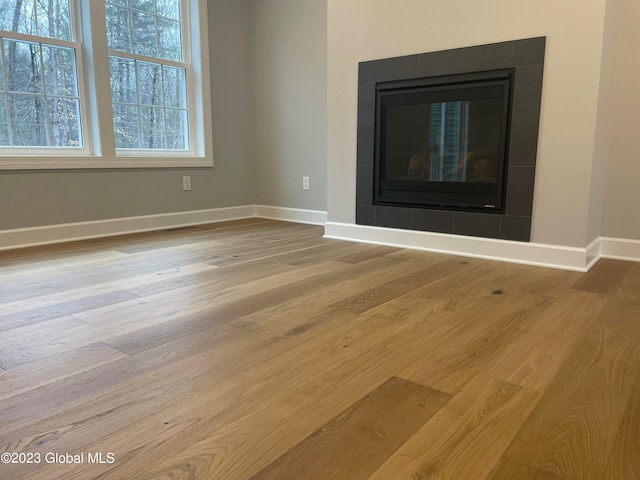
<point x="447" y="140"/>
<point x="441" y="142"/>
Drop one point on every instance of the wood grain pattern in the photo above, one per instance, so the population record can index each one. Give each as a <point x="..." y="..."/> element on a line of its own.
<point x="386" y="291"/>
<point x="604" y="277"/>
<point x="340" y="366"/>
<point x="356" y="442"/>
<point x="465" y="439"/>
<point x="39" y="373"/>
<point x="571" y="432"/>
<point x="533" y="359"/>
<point x="510" y="470"/>
<point x="456" y="359"/>
<point x="253" y="429"/>
<point x="624" y="461"/>
<point x="549" y="282"/>
<point x="259" y="348"/>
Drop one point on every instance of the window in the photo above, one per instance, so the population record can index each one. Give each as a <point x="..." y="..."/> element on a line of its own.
<point x="103" y="83"/>
<point x="148" y="76"/>
<point x="39" y="102"/>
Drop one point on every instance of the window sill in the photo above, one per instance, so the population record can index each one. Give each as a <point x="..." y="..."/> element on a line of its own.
<point x="67" y="163"/>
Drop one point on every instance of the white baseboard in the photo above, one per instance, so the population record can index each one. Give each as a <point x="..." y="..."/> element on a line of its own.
<point x="592" y="253"/>
<point x="313" y="217"/>
<point x="620" y="249"/>
<point x="567" y="258"/>
<point x="68" y="232"/>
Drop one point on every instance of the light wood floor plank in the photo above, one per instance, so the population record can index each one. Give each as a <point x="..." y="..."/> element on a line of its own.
<point x="572" y="430"/>
<point x="356" y="442"/>
<point x="458" y="358"/>
<point x="140" y="285"/>
<point x="510" y="470"/>
<point x="549" y="282"/>
<point x="533" y="359"/>
<point x="383" y="292"/>
<point x="63" y="309"/>
<point x="624" y="461"/>
<point x="37" y="374"/>
<point x="465" y="439"/>
<point x="266" y="428"/>
<point x="259" y="348"/>
<point x="604" y="277"/>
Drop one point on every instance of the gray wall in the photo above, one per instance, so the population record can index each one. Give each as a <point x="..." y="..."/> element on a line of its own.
<point x="622" y="194"/>
<point x="32" y="198"/>
<point x="288" y="70"/>
<point x="604" y="120"/>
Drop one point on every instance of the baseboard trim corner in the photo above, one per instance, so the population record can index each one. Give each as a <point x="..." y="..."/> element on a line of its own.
<point x="313" y="217"/>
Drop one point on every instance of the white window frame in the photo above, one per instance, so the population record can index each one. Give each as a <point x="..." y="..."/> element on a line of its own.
<point x="98" y="150"/>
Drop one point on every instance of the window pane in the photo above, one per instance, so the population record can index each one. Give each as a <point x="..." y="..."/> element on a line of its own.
<point x="174" y="87"/>
<point x="170" y="47"/>
<point x="155" y="33"/>
<point x="152" y="127"/>
<point x="176" y="129"/>
<point x="123" y="80"/>
<point x="51" y="18"/>
<point x="28" y="120"/>
<point x="118" y="31"/>
<point x="144" y="31"/>
<point x="60" y="70"/>
<point x="158" y="92"/>
<point x="24" y="68"/>
<point x="18" y="16"/>
<point x="168" y="9"/>
<point x="149" y="84"/>
<point x="125" y="123"/>
<point x="143" y="5"/>
<point x="64" y="115"/>
<point x="44" y="108"/>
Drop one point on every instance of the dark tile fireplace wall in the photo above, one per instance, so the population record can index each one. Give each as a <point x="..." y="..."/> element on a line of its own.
<point x="527" y="57"/>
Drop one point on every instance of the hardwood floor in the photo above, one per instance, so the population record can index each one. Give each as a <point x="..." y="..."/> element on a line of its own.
<point x="256" y="349"/>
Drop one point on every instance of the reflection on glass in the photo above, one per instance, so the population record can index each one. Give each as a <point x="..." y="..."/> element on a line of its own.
<point x="455" y="141"/>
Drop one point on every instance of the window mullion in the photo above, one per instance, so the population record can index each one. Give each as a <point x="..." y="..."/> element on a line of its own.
<point x="97" y="73"/>
<point x="35" y="15"/>
<point x="5" y="88"/>
<point x="44" y="94"/>
<point x="145" y="58"/>
<point x="25" y="37"/>
<point x="138" y="105"/>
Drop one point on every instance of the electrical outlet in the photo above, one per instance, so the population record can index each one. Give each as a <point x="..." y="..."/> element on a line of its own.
<point x="186" y="183"/>
<point x="305" y="183"/>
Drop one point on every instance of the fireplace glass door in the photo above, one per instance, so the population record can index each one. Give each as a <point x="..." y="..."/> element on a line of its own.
<point x="442" y="142"/>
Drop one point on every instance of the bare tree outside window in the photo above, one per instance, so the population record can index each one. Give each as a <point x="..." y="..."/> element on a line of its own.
<point x="39" y="100"/>
<point x="59" y="64"/>
<point x="148" y="78"/>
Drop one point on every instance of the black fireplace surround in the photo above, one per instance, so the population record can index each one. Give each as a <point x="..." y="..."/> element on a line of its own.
<point x="447" y="140"/>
